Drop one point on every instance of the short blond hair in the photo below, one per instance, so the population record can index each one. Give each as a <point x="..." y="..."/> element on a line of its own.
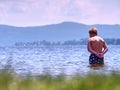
<point x="93" y="30"/>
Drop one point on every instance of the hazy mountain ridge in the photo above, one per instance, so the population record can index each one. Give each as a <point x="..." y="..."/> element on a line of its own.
<point x="56" y="32"/>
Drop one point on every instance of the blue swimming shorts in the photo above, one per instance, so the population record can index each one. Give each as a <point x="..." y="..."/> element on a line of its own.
<point x="93" y="59"/>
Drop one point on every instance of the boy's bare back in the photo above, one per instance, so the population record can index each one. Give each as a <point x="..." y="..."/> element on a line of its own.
<point x="96" y="43"/>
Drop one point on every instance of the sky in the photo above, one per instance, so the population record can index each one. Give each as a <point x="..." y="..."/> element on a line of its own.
<point x="46" y="12"/>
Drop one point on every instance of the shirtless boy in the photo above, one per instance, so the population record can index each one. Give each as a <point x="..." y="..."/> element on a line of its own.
<point x="97" y="47"/>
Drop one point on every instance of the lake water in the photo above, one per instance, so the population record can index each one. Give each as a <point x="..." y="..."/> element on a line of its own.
<point x="56" y="60"/>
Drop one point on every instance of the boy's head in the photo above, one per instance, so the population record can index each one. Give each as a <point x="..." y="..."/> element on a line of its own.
<point x="93" y="31"/>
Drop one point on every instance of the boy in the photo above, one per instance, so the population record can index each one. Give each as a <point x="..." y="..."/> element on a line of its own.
<point x="97" y="47"/>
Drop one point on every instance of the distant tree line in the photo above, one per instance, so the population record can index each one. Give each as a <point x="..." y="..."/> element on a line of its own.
<point x="112" y="41"/>
<point x="69" y="42"/>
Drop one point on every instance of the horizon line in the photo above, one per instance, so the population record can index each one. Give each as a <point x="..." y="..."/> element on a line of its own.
<point x="55" y="24"/>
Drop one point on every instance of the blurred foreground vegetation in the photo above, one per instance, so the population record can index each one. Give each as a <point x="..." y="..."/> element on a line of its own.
<point x="12" y="81"/>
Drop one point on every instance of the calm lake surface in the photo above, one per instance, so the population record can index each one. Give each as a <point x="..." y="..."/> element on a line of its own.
<point x="56" y="60"/>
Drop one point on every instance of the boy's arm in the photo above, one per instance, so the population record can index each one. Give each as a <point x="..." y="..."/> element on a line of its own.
<point x="105" y="47"/>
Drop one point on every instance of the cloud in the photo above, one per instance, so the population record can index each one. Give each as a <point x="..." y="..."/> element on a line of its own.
<point x="107" y="12"/>
<point x="68" y="9"/>
<point x="40" y="12"/>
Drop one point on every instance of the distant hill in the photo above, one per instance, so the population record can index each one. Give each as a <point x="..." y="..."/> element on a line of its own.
<point x="55" y="32"/>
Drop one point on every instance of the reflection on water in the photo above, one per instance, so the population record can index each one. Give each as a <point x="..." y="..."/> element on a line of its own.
<point x="56" y="60"/>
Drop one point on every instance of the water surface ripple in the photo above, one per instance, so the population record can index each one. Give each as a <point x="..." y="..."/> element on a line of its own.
<point x="55" y="59"/>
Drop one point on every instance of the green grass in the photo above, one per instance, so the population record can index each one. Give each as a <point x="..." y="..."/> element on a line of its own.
<point x="12" y="81"/>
